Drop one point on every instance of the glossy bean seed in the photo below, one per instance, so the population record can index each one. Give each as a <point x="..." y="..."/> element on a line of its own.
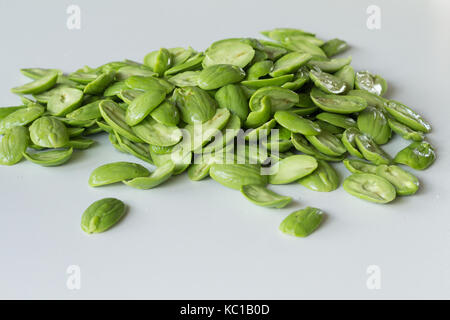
<point x="370" y="187"/>
<point x="115" y="118"/>
<point x="303" y="222"/>
<point x="64" y="101"/>
<point x="330" y="65"/>
<point x="327" y="143"/>
<point x="280" y="98"/>
<point x="37" y="86"/>
<point x="336" y="103"/>
<point x="373" y="122"/>
<point x="219" y="75"/>
<point x="292" y="169"/>
<point x="404" y="182"/>
<point x="337" y="120"/>
<point x="359" y="166"/>
<point x="418" y="155"/>
<point x="116" y="172"/>
<point x="13" y="144"/>
<point x="50" y="158"/>
<point x="49" y="132"/>
<point x="371" y="151"/>
<point x="141" y="107"/>
<point x="404" y="131"/>
<point x="349" y="141"/>
<point x="372" y="83"/>
<point x="102" y="215"/>
<point x="237" y="175"/>
<point x="21" y="117"/>
<point x="231" y="51"/>
<point x="289" y="63"/>
<point x="264" y="197"/>
<point x="327" y="82"/>
<point x="157" y="177"/>
<point x="323" y="179"/>
<point x="233" y="98"/>
<point x="407" y="116"/>
<point x="296" y="123"/>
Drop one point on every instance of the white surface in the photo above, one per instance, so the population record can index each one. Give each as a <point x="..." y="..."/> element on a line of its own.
<point x="198" y="239"/>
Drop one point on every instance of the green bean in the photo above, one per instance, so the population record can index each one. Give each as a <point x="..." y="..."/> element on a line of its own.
<point x="102" y="215"/>
<point x="116" y="172"/>
<point x="50" y="158"/>
<point x="303" y="222"/>
<point x="245" y="112"/>
<point x="323" y="179"/>
<point x="370" y="187"/>
<point x="292" y="169"/>
<point x="418" y="155"/>
<point x="13" y="144"/>
<point x="264" y="197"/>
<point x="160" y="175"/>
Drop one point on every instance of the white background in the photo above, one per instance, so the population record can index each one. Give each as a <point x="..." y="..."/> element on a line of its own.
<point x="198" y="239"/>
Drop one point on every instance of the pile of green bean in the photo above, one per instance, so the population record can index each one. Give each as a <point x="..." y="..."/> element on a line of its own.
<point x="287" y="102"/>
